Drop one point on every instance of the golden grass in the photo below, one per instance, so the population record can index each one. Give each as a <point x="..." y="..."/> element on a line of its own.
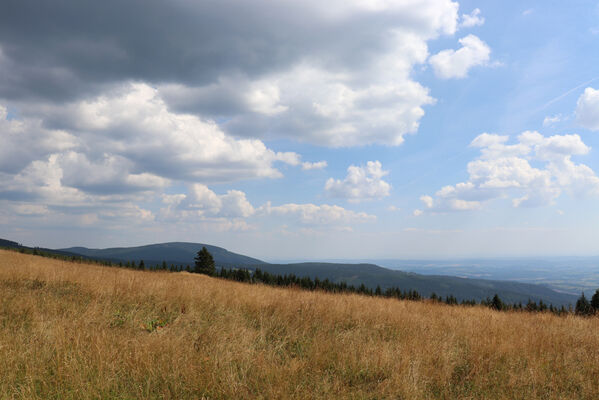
<point x="77" y="331"/>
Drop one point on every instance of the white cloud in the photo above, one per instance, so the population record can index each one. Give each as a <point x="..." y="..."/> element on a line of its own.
<point x="450" y="63"/>
<point x="306" y="165"/>
<point x="26" y="140"/>
<point x="505" y="170"/>
<point x="331" y="109"/>
<point x="345" y="79"/>
<point x="312" y="214"/>
<point x="361" y="183"/>
<point x="235" y="204"/>
<point x="472" y="19"/>
<point x="30" y="209"/>
<point x="264" y="98"/>
<point x="230" y="211"/>
<point x="203" y="203"/>
<point x="39" y="190"/>
<point x="117" y="145"/>
<point x="587" y="109"/>
<point x="338" y="90"/>
<point x="106" y="174"/>
<point x="119" y="149"/>
<point x="134" y="122"/>
<point x="427" y="200"/>
<point x="551" y="120"/>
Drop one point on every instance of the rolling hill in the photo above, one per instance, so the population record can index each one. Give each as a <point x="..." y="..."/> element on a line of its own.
<point x="178" y="253"/>
<point x="182" y="253"/>
<point x="462" y="288"/>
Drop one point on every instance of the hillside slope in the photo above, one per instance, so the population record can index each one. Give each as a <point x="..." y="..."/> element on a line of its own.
<point x="179" y="253"/>
<point x="354" y="274"/>
<point x="463" y="288"/>
<point x="72" y="330"/>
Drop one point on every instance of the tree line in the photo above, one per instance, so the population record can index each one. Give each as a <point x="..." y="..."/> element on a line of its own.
<point x="204" y="264"/>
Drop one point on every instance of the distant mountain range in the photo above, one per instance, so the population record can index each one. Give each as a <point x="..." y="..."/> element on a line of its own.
<point x="462" y="288"/>
<point x="182" y="253"/>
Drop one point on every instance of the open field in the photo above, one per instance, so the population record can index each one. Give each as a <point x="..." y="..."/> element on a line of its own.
<point x="77" y="331"/>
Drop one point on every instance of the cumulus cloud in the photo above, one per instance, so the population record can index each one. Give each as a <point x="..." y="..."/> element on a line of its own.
<point x="119" y="148"/>
<point x="257" y="38"/>
<point x="332" y="109"/>
<point x="449" y="63"/>
<point x="203" y="203"/>
<point x="505" y="171"/>
<point x="306" y="165"/>
<point x="361" y="183"/>
<point x="587" y="109"/>
<point x="115" y="105"/>
<point x="26" y="140"/>
<point x="134" y="122"/>
<point x="344" y="79"/>
<point x="472" y="19"/>
<point x="38" y="191"/>
<point x="232" y="210"/>
<point x="312" y="214"/>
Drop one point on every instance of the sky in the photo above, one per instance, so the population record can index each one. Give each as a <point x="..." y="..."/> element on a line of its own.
<point x="302" y="129"/>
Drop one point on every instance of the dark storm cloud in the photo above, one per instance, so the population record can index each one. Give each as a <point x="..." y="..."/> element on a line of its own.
<point x="61" y="49"/>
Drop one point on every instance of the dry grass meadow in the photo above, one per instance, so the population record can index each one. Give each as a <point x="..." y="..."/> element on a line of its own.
<point x="77" y="331"/>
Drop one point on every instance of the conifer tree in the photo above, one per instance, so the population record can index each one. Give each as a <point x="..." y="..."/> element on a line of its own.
<point x="204" y="262"/>
<point x="595" y="301"/>
<point x="496" y="303"/>
<point x="583" y="307"/>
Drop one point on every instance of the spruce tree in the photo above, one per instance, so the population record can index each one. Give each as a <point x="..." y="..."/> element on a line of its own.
<point x="496" y="303"/>
<point x="583" y="307"/>
<point x="595" y="301"/>
<point x="204" y="262"/>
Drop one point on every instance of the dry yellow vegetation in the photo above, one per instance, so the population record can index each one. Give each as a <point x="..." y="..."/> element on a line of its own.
<point x="78" y="331"/>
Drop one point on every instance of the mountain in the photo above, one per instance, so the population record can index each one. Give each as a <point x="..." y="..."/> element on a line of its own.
<point x="10" y="244"/>
<point x="462" y="288"/>
<point x="182" y="253"/>
<point x="14" y="245"/>
<point x="178" y="253"/>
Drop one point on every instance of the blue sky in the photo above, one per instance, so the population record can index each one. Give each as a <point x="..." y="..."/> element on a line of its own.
<point x="363" y="129"/>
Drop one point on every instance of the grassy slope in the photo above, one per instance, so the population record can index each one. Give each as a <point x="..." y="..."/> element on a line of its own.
<point x="81" y="331"/>
<point x="180" y="253"/>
